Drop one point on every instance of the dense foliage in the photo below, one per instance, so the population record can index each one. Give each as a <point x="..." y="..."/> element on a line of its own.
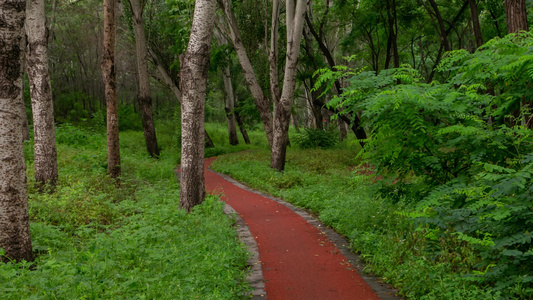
<point x="96" y="240"/>
<point x="459" y="155"/>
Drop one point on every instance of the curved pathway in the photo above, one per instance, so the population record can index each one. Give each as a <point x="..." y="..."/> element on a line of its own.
<point x="298" y="260"/>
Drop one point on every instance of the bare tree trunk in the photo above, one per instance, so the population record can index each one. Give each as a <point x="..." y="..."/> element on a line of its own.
<point x="110" y="82"/>
<point x="475" y="22"/>
<point x="229" y="99"/>
<point x="193" y="84"/>
<point x="242" y="129"/>
<point x="230" y="107"/>
<point x="342" y="130"/>
<point x="41" y="94"/>
<point x="273" y="53"/>
<point x="516" y="15"/>
<point x="14" y="221"/>
<point x="295" y="20"/>
<point x="167" y="79"/>
<point x="261" y="101"/>
<point x="144" y="97"/>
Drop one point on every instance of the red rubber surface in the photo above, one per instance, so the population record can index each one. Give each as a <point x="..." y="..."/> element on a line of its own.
<point x="298" y="260"/>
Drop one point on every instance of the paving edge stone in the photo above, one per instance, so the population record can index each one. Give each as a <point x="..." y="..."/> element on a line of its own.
<point x="255" y="278"/>
<point x="383" y="290"/>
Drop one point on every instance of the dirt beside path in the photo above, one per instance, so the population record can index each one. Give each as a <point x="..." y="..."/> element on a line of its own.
<point x="298" y="260"/>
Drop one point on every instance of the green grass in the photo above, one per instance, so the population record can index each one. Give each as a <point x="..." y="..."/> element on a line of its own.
<point x="94" y="240"/>
<point x="321" y="181"/>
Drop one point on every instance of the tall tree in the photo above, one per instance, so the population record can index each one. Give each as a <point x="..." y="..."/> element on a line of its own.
<point x="110" y="82"/>
<point x="516" y="15"/>
<point x="193" y="84"/>
<point x="41" y="93"/>
<point x="229" y="99"/>
<point x="295" y="11"/>
<point x="261" y="101"/>
<point x="144" y="96"/>
<point x="475" y="22"/>
<point x="14" y="221"/>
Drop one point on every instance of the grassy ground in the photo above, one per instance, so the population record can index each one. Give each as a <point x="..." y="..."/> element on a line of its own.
<point x="96" y="241"/>
<point x="322" y="182"/>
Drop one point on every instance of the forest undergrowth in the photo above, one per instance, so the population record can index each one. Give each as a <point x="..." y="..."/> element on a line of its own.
<point x="94" y="240"/>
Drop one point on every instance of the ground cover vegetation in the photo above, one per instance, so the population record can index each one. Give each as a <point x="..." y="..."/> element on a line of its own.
<point x="95" y="240"/>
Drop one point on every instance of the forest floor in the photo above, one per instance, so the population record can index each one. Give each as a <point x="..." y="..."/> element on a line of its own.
<point x="299" y="256"/>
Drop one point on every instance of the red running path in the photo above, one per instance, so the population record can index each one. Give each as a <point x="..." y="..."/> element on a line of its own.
<point x="298" y="260"/>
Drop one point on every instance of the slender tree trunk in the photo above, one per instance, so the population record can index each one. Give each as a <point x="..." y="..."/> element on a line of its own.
<point x="144" y="97"/>
<point x="354" y="121"/>
<point x="273" y="53"/>
<point x="229" y="99"/>
<point x="110" y="82"/>
<point x="343" y="133"/>
<point x="167" y="79"/>
<point x="261" y="101"/>
<point x="41" y="94"/>
<point x="516" y="15"/>
<point x="193" y="84"/>
<point x="295" y="19"/>
<point x="230" y="107"/>
<point x="14" y="221"/>
<point x="475" y="22"/>
<point x="241" y="128"/>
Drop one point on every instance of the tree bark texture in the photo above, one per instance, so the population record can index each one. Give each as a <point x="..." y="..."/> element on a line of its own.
<point x="282" y="112"/>
<point x="110" y="83"/>
<point x="230" y="107"/>
<point x="273" y="53"/>
<point x="144" y="97"/>
<point x="475" y="22"/>
<point x="41" y="94"/>
<point x="167" y="79"/>
<point x="244" y="133"/>
<point x="516" y="15"/>
<point x="14" y="221"/>
<point x="193" y="84"/>
<point x="261" y="101"/>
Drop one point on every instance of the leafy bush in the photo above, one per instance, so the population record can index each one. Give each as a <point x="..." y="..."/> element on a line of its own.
<point x="458" y="150"/>
<point x="315" y="138"/>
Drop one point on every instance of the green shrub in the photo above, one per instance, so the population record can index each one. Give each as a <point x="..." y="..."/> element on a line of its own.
<point x="453" y="151"/>
<point x="315" y="138"/>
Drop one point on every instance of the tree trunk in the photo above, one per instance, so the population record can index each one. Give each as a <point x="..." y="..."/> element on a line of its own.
<point x="475" y="22"/>
<point x="241" y="128"/>
<point x="230" y="107"/>
<point x="273" y="53"/>
<point x="14" y="221"/>
<point x="193" y="84"/>
<point x="343" y="133"/>
<point x="443" y="34"/>
<point x="167" y="79"/>
<point x="144" y="97"/>
<point x="295" y="21"/>
<point x="261" y="101"/>
<point x="110" y="82"/>
<point x="516" y="15"/>
<point x="354" y="121"/>
<point x="41" y="94"/>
